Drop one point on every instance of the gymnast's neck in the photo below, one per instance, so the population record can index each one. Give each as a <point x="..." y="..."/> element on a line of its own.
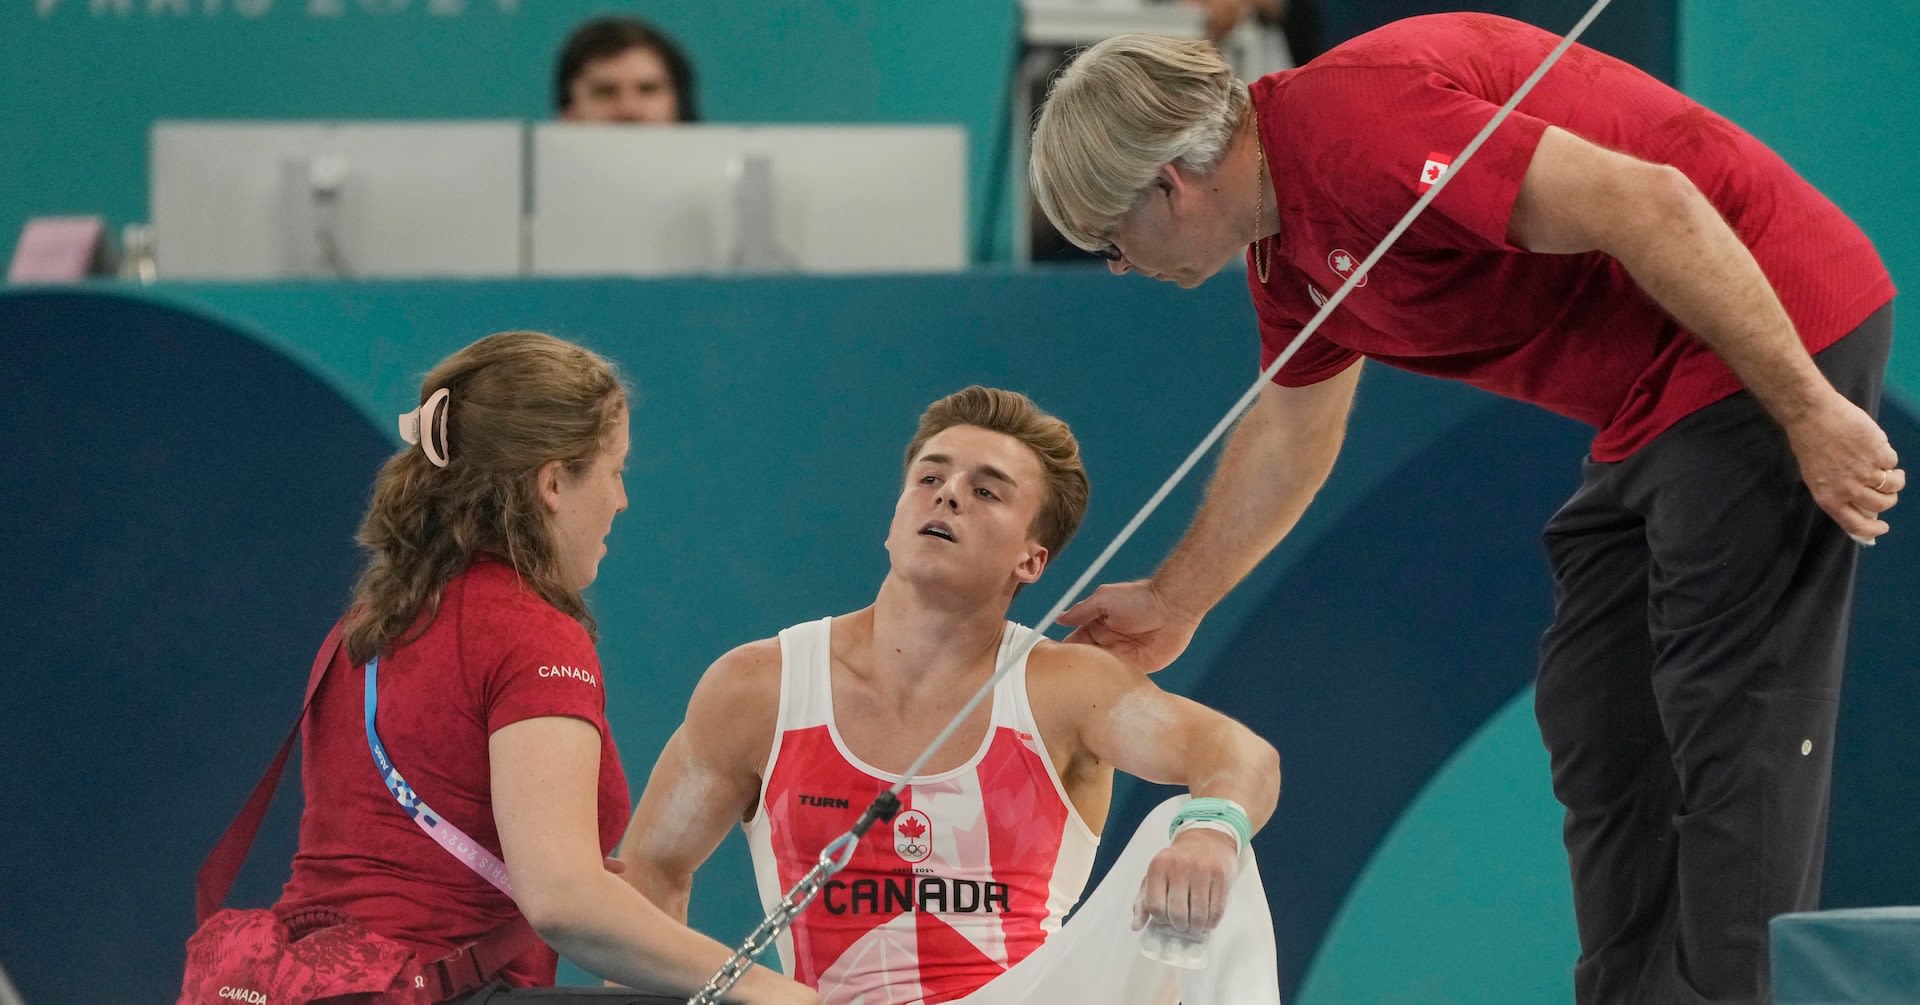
<point x="917" y="633"/>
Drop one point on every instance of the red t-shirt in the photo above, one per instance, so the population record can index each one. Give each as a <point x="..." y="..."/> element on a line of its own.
<point x="1349" y="139"/>
<point x="495" y="655"/>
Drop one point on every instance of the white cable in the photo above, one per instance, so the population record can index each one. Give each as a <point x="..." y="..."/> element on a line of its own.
<point x="8" y="994"/>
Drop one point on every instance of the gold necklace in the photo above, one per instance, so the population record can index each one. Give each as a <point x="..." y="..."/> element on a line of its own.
<point x="1261" y="261"/>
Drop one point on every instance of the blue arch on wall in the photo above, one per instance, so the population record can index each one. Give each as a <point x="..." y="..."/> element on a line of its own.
<point x="172" y="533"/>
<point x="1390" y="643"/>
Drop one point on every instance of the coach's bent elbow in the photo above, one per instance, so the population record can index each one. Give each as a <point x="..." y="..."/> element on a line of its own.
<point x="1668" y="198"/>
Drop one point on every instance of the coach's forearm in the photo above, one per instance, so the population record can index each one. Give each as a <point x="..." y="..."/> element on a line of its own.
<point x="1274" y="463"/>
<point x="1686" y="257"/>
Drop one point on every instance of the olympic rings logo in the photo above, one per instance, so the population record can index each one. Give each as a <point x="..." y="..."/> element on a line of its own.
<point x="912" y="838"/>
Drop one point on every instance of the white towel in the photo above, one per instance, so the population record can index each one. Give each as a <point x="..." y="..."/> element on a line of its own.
<point x="1095" y="958"/>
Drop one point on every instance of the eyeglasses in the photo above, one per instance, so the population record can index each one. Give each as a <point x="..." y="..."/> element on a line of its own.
<point x="1109" y="251"/>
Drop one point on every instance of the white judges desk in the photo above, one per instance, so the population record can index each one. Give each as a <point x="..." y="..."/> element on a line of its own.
<point x="267" y="200"/>
<point x="677" y="199"/>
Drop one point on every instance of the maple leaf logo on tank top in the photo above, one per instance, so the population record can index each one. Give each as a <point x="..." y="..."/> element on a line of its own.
<point x="910" y="840"/>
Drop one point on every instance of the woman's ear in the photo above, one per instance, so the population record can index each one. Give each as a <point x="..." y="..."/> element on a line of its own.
<point x="546" y="485"/>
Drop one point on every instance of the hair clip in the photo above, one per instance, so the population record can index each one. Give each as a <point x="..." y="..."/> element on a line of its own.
<point x="426" y="427"/>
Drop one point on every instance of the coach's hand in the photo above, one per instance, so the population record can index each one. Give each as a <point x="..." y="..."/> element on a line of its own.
<point x="1186" y="885"/>
<point x="1848" y="465"/>
<point x="1134" y="622"/>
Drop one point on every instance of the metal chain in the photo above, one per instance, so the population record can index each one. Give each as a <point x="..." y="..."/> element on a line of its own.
<point x="833" y="858"/>
<point x="763" y="935"/>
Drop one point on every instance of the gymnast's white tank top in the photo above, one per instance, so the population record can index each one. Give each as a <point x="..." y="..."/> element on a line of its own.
<point x="978" y="869"/>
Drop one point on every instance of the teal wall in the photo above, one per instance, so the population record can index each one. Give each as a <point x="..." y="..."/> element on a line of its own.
<point x="83" y="79"/>
<point x="796" y="393"/>
<point x="1835" y="88"/>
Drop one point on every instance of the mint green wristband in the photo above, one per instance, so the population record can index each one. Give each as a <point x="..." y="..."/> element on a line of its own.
<point x="1209" y="808"/>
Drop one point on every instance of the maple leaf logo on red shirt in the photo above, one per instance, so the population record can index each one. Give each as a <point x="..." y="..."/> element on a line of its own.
<point x="1343" y="263"/>
<point x="912" y="827"/>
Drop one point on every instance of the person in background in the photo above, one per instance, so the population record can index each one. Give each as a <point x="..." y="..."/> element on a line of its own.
<point x="622" y="69"/>
<point x="1259" y="37"/>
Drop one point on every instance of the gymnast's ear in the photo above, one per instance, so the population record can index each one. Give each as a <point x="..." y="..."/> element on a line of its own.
<point x="1032" y="565"/>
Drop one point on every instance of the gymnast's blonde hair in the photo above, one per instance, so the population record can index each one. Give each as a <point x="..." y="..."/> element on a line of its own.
<point x="1051" y="440"/>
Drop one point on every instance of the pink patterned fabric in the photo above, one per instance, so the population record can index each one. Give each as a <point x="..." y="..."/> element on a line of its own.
<point x="253" y="957"/>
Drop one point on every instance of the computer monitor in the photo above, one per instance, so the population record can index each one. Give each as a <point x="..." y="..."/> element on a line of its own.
<point x="716" y="198"/>
<point x="261" y="200"/>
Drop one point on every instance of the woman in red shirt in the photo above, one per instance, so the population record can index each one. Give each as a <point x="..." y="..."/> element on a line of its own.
<point x="484" y="692"/>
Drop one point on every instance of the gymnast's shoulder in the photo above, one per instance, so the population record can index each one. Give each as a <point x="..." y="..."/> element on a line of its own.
<point x="1073" y="664"/>
<point x="740" y="688"/>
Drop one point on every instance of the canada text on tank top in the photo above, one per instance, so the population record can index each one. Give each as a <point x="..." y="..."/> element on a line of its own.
<point x="979" y="868"/>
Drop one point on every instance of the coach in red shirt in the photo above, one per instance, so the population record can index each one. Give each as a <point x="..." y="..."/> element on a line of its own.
<point x="1615" y="253"/>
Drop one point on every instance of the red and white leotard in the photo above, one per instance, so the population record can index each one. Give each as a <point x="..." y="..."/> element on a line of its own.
<point x="978" y="869"/>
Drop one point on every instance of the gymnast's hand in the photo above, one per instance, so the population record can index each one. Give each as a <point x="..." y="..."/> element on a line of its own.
<point x="1134" y="622"/>
<point x="1186" y="885"/>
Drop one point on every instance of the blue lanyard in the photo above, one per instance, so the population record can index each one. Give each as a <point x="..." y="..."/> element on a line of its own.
<point x="452" y="838"/>
<point x="409" y="800"/>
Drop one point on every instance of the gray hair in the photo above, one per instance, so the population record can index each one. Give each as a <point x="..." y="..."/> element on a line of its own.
<point x="1120" y="112"/>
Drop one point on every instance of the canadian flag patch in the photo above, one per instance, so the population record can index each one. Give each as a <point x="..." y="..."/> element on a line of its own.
<point x="1433" y="169"/>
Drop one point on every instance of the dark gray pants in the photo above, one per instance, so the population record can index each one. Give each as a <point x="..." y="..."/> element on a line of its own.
<point x="1687" y="694"/>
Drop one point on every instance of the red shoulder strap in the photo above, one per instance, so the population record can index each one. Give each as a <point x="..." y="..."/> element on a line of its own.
<point x="223" y="863"/>
<point x="464" y="970"/>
